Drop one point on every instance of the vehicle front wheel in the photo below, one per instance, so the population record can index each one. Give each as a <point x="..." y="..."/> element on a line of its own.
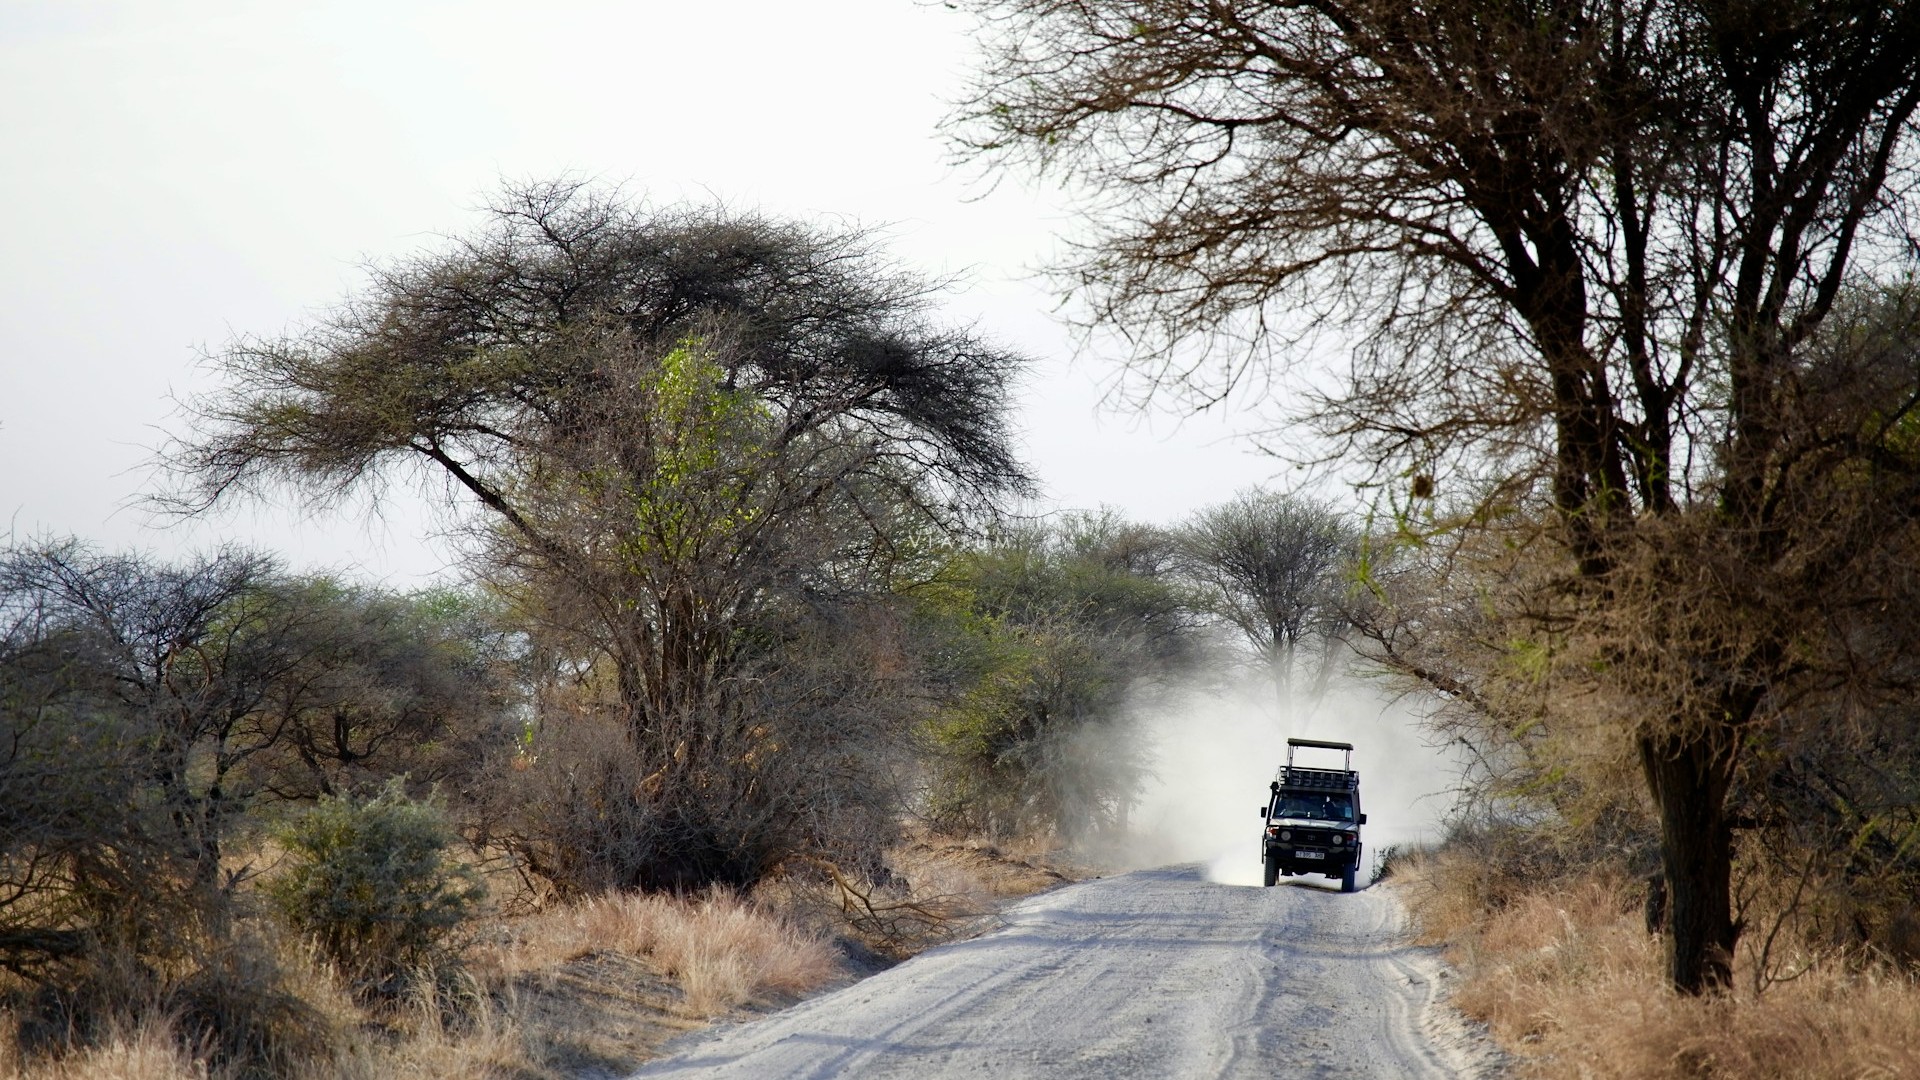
<point x="1270" y="868"/>
<point x="1347" y="876"/>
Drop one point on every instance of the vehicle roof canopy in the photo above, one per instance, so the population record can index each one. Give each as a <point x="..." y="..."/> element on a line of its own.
<point x="1320" y="744"/>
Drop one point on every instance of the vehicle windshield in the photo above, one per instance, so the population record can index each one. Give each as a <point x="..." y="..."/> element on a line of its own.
<point x="1316" y="807"/>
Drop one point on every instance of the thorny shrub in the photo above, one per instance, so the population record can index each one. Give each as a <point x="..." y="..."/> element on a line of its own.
<point x="374" y="884"/>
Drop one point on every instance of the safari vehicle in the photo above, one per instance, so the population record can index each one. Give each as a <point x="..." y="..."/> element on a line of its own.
<point x="1313" y="819"/>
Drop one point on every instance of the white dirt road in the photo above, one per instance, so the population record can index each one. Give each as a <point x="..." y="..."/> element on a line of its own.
<point x="1150" y="975"/>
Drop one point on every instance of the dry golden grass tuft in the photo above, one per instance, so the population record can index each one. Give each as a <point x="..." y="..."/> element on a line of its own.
<point x="722" y="951"/>
<point x="481" y="1036"/>
<point x="478" y="1037"/>
<point x="148" y="1050"/>
<point x="1568" y="979"/>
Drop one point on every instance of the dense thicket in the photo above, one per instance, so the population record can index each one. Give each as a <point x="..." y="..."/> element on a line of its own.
<point x="155" y="717"/>
<point x="171" y="698"/>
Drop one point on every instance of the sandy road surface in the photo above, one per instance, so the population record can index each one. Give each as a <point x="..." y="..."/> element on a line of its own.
<point x="1153" y="974"/>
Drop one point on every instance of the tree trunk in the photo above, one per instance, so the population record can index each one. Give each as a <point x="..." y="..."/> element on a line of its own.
<point x="1323" y="676"/>
<point x="1689" y="776"/>
<point x="1280" y="664"/>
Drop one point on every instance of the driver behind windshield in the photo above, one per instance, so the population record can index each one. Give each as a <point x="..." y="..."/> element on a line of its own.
<point x="1317" y="807"/>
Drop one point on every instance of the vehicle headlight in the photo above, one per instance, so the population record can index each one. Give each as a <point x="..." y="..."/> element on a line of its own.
<point x="1286" y="834"/>
<point x="1338" y="839"/>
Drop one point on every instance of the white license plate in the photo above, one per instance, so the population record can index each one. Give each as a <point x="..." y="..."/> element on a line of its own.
<point x="1309" y="854"/>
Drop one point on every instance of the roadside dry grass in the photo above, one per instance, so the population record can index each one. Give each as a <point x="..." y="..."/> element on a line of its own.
<point x="719" y="950"/>
<point x="487" y="1042"/>
<point x="591" y="989"/>
<point x="147" y="1050"/>
<point x="1570" y="982"/>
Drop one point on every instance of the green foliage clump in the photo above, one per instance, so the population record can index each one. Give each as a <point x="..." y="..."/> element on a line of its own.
<point x="374" y="884"/>
<point x="1038" y="744"/>
<point x="1048" y="639"/>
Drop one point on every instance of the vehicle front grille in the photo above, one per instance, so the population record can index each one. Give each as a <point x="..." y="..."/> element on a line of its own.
<point x="1309" y="838"/>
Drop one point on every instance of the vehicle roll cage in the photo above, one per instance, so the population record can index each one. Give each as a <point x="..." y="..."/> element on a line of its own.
<point x="1296" y="776"/>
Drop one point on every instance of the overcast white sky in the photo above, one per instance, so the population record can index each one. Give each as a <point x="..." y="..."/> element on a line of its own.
<point x="178" y="171"/>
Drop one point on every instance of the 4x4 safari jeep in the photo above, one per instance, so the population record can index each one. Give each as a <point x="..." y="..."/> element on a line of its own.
<point x="1313" y="819"/>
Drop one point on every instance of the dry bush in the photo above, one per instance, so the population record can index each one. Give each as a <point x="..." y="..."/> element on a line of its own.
<point x="1568" y="978"/>
<point x="722" y="950"/>
<point x="252" y="1005"/>
<point x="892" y="916"/>
<point x="583" y="810"/>
<point x="240" y="1015"/>
<point x="973" y="872"/>
<point x="933" y="873"/>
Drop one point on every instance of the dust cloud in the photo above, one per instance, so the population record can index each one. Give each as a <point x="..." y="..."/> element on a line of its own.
<point x="1213" y="754"/>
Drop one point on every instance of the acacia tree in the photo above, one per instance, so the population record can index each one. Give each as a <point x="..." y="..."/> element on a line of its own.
<point x="73" y="843"/>
<point x="1585" y="248"/>
<point x="678" y="427"/>
<point x="1268" y="564"/>
<point x="174" y="659"/>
